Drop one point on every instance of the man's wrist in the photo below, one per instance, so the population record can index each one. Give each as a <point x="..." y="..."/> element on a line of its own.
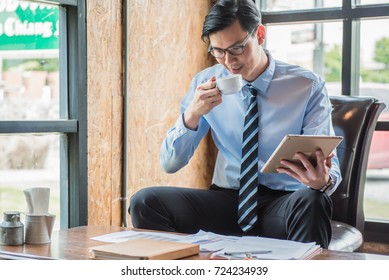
<point x="330" y="184"/>
<point x="190" y="122"/>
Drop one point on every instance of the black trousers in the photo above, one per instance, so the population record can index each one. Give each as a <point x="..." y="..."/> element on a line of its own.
<point x="304" y="215"/>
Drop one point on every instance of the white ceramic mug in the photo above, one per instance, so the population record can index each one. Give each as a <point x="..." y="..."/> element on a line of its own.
<point x="229" y="84"/>
<point x="38" y="228"/>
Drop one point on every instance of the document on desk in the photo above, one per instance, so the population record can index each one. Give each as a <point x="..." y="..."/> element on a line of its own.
<point x="267" y="249"/>
<point x="121" y="236"/>
<point x="208" y="241"/>
<point x="143" y="249"/>
<point x="224" y="246"/>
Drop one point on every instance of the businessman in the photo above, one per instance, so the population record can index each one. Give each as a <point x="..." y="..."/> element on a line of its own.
<point x="276" y="99"/>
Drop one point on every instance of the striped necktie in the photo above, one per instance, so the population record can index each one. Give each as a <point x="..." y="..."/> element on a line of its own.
<point x="247" y="209"/>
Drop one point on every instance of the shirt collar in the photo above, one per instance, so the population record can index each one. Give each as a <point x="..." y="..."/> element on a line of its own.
<point x="263" y="81"/>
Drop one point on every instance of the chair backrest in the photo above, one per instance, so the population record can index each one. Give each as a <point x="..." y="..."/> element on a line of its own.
<point x="355" y="119"/>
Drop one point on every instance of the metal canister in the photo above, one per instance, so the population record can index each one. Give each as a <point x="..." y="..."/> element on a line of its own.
<point x="11" y="229"/>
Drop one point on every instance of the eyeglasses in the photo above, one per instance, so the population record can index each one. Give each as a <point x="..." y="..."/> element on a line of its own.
<point x="233" y="50"/>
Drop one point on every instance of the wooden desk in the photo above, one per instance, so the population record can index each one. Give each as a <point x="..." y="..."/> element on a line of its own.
<point x="73" y="244"/>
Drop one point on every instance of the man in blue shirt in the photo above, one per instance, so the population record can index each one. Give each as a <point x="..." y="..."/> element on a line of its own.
<point x="293" y="204"/>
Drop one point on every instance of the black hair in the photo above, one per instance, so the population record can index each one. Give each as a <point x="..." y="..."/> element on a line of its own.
<point x="225" y="12"/>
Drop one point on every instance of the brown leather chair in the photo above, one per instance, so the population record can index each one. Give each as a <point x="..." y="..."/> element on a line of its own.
<point x="355" y="119"/>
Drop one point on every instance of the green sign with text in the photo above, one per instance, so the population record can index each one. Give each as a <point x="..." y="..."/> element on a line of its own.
<point x="28" y="26"/>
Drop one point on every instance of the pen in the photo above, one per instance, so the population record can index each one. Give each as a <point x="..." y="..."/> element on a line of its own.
<point x="231" y="253"/>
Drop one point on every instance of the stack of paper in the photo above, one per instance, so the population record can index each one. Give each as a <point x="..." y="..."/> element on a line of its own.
<point x="144" y="249"/>
<point x="208" y="241"/>
<point x="267" y="248"/>
<point x="219" y="246"/>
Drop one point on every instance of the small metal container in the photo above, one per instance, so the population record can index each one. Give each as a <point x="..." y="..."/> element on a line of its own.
<point x="11" y="229"/>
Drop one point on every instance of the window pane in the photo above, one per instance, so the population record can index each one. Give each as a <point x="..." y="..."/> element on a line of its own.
<point x="29" y="61"/>
<point x="374" y="62"/>
<point x="376" y="200"/>
<point x="369" y="2"/>
<point x="374" y="81"/>
<point x="317" y="47"/>
<point x="29" y="161"/>
<point x="287" y="5"/>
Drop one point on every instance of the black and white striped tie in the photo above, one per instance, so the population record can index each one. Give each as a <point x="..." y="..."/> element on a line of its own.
<point x="247" y="209"/>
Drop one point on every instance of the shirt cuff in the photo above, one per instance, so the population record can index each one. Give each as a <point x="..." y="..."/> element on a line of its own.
<point x="181" y="129"/>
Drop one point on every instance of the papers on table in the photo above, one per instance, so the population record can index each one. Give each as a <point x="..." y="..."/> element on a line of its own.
<point x="144" y="249"/>
<point x="225" y="247"/>
<point x="266" y="248"/>
<point x="208" y="241"/>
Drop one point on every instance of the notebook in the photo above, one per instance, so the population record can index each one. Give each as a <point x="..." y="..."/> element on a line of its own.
<point x="144" y="249"/>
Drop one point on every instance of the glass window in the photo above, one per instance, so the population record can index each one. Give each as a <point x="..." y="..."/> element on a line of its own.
<point x="29" y="161"/>
<point x="316" y="46"/>
<point x="30" y="96"/>
<point x="43" y="95"/>
<point x="374" y="62"/>
<point x="376" y="201"/>
<point x="29" y="63"/>
<point x="374" y="81"/>
<point x="287" y="5"/>
<point x="370" y="2"/>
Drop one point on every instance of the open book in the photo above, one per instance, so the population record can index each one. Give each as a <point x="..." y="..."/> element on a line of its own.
<point x="144" y="249"/>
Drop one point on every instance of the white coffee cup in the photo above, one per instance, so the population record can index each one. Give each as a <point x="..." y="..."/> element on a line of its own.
<point x="229" y="84"/>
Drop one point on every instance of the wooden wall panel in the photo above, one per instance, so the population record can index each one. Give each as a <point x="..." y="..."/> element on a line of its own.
<point x="165" y="51"/>
<point x="105" y="102"/>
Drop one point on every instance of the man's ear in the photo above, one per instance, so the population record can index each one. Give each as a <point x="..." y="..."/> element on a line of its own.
<point x="261" y="34"/>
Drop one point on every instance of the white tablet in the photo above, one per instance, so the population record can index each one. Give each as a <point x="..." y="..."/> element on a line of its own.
<point x="307" y="144"/>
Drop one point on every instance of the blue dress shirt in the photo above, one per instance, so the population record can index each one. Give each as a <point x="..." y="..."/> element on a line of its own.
<point x="291" y="100"/>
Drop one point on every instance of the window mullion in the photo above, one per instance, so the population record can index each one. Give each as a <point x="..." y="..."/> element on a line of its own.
<point x="63" y="66"/>
<point x="77" y="90"/>
<point x="346" y="57"/>
<point x="60" y="2"/>
<point x="26" y="126"/>
<point x="355" y="56"/>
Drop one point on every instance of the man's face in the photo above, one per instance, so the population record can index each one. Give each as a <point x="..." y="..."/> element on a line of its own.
<point x="251" y="63"/>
